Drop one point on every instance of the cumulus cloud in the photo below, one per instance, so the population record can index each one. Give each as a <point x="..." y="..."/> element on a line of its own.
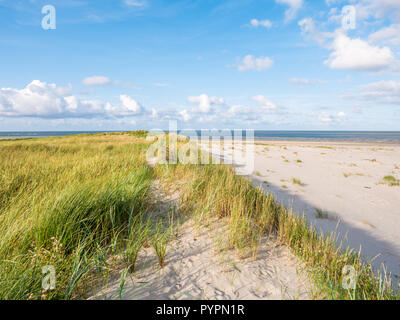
<point x="128" y="107"/>
<point x="204" y="102"/>
<point x="53" y="103"/>
<point x="261" y="23"/>
<point x="359" y="55"/>
<point x="341" y="116"/>
<point x="185" y="115"/>
<point x="355" y="53"/>
<point x="294" y="7"/>
<point x="40" y="99"/>
<point x="132" y="106"/>
<point x="223" y="112"/>
<point x="154" y="114"/>
<point x="250" y="62"/>
<point x="96" y="81"/>
<point x="265" y="103"/>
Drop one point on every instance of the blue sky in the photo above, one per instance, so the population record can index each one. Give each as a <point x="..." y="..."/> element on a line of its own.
<point x="132" y="64"/>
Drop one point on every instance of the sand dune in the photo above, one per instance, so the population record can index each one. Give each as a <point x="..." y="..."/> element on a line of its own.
<point x="338" y="186"/>
<point x="195" y="270"/>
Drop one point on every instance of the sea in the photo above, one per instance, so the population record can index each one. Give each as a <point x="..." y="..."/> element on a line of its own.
<point x="351" y="136"/>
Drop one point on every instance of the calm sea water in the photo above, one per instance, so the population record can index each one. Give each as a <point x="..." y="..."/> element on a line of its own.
<point x="373" y="136"/>
<point x="379" y="136"/>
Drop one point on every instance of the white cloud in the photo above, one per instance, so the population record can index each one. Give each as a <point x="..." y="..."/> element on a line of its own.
<point x="378" y="9"/>
<point x="389" y="35"/>
<point x="96" y="81"/>
<point x="261" y="23"/>
<point x="129" y="105"/>
<point x="250" y="62"/>
<point x="381" y="92"/>
<point x="341" y="116"/>
<point x="40" y="99"/>
<point x="265" y="102"/>
<point x="356" y="54"/>
<point x="154" y="114"/>
<point x="227" y="113"/>
<point x="327" y="118"/>
<point x="294" y="7"/>
<point x="215" y="100"/>
<point x="136" y="3"/>
<point x="205" y="102"/>
<point x="309" y="30"/>
<point x="384" y="86"/>
<point x="185" y="115"/>
<point x="236" y="110"/>
<point x="54" y="104"/>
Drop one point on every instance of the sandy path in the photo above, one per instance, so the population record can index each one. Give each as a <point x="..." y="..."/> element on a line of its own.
<point x="345" y="181"/>
<point x="194" y="270"/>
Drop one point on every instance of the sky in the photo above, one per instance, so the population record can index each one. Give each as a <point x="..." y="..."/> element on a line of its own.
<point x="237" y="64"/>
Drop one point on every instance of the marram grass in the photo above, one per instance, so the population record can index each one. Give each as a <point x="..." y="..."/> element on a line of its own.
<point x="74" y="202"/>
<point x="61" y="199"/>
<point x="215" y="191"/>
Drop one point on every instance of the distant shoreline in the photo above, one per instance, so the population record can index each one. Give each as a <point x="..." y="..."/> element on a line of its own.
<point x="263" y="140"/>
<point x="374" y="137"/>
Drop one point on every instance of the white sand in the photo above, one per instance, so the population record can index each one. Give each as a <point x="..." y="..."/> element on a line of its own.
<point x="199" y="266"/>
<point x="360" y="208"/>
<point x="195" y="270"/>
<point x="368" y="211"/>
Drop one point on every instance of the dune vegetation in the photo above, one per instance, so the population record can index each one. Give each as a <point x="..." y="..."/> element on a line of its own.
<point x="66" y="202"/>
<point x="74" y="202"/>
<point x="391" y="181"/>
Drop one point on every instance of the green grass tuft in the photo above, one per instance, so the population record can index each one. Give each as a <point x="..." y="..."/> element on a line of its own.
<point x="391" y="181"/>
<point x="297" y="181"/>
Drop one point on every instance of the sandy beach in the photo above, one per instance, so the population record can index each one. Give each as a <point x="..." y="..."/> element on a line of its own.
<point x="199" y="267"/>
<point x="340" y="187"/>
<point x="195" y="270"/>
<point x="11" y="137"/>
